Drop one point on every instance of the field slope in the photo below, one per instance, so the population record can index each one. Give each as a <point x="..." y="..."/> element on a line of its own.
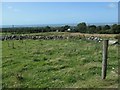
<point x="57" y="64"/>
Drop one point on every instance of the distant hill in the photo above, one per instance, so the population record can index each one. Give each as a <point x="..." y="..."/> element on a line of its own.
<point x="55" y="25"/>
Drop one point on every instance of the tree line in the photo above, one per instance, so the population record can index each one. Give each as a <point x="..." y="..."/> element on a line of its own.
<point x="81" y="27"/>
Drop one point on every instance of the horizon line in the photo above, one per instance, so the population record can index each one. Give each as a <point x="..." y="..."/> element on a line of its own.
<point x="65" y="23"/>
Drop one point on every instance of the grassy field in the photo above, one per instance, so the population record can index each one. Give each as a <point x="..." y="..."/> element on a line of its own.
<point x="57" y="64"/>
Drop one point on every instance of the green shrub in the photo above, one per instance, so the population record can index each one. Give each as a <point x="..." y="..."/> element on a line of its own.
<point x="117" y="36"/>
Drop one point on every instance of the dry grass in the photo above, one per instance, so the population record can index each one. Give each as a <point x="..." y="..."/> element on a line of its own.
<point x="99" y="35"/>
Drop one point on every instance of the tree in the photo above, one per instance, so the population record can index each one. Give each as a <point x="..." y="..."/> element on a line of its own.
<point x="47" y="29"/>
<point x="106" y="27"/>
<point x="98" y="29"/>
<point x="116" y="29"/>
<point x="92" y="29"/>
<point x="64" y="28"/>
<point x="82" y="27"/>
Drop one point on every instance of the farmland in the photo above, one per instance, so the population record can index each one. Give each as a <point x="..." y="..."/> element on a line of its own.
<point x="69" y="63"/>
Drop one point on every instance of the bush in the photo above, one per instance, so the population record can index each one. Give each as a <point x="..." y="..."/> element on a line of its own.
<point x="117" y="36"/>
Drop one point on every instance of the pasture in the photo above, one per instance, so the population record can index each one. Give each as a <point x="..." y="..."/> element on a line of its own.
<point x="72" y="63"/>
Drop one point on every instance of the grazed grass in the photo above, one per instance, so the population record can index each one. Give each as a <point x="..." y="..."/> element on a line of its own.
<point x="57" y="64"/>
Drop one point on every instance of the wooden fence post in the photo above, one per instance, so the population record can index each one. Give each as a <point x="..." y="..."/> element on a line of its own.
<point x="104" y="61"/>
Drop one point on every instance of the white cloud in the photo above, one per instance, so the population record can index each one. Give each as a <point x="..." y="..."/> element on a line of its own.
<point x="13" y="9"/>
<point x="16" y="10"/>
<point x="112" y="5"/>
<point x="9" y="7"/>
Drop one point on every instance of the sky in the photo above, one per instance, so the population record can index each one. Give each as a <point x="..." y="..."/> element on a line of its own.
<point x="32" y="13"/>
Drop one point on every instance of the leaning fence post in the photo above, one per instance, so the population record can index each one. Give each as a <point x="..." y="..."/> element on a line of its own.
<point x="104" y="61"/>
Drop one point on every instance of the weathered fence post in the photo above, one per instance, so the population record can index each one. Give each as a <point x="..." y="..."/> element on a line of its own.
<point x="104" y="61"/>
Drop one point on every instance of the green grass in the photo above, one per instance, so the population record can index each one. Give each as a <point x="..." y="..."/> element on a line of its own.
<point x="56" y="64"/>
